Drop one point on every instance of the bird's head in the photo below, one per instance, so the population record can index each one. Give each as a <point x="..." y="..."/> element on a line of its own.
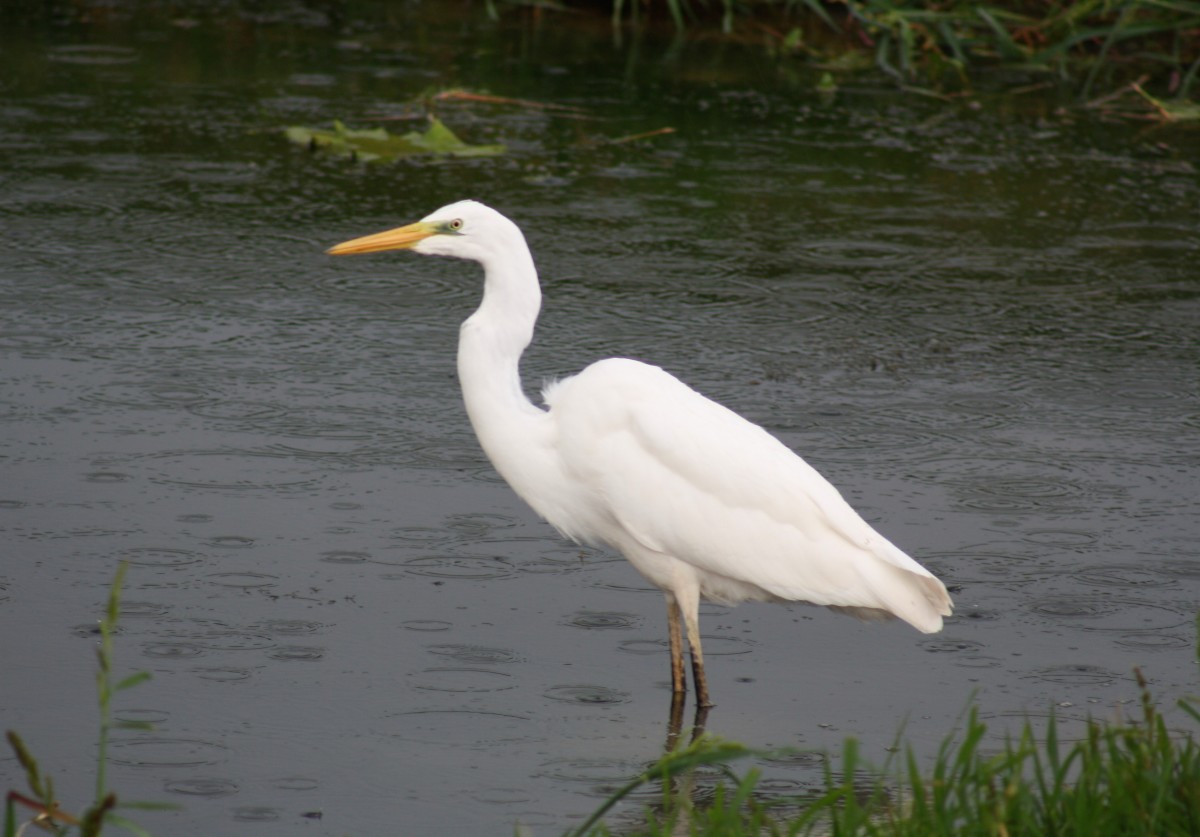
<point x="464" y="230"/>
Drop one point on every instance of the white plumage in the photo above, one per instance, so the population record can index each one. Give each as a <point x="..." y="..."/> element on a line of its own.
<point x="704" y="503"/>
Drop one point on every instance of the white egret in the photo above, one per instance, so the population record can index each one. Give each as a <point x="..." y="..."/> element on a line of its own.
<point x="701" y="501"/>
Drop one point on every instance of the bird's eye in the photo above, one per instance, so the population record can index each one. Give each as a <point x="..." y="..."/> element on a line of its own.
<point x="455" y="225"/>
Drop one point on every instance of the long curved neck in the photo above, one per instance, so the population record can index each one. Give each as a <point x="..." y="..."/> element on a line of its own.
<point x="511" y="429"/>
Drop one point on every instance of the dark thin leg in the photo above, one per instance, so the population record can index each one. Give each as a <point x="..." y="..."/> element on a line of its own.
<point x="675" y="632"/>
<point x="675" y="720"/>
<point x="698" y="678"/>
<point x="699" y="722"/>
<point x="701" y="681"/>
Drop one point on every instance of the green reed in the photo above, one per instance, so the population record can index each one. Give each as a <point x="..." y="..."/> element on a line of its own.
<point x="48" y="815"/>
<point x="1128" y="777"/>
<point x="940" y="46"/>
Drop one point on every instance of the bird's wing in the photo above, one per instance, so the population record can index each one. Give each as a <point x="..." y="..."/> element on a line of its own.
<point x="691" y="479"/>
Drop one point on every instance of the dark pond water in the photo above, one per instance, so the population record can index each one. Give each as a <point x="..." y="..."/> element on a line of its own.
<point x="983" y="324"/>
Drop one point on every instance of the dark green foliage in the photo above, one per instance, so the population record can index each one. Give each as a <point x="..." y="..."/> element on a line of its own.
<point x="948" y="45"/>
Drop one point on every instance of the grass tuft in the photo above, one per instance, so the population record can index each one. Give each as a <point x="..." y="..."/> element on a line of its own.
<point x="1130" y="776"/>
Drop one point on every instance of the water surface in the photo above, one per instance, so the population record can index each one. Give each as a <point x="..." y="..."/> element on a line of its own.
<point x="981" y="324"/>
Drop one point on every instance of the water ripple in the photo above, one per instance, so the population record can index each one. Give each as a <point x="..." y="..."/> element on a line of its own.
<point x="588" y="695"/>
<point x="172" y="650"/>
<point x="472" y="680"/>
<point x="426" y="625"/>
<point x="947" y="645"/>
<point x="713" y="645"/>
<point x="149" y="556"/>
<point x="476" y="525"/>
<point x="1013" y="494"/>
<point x="476" y="654"/>
<point x="1155" y="642"/>
<point x="165" y="752"/>
<point x="210" y="788"/>
<point x="1094" y="613"/>
<point x="1124" y="575"/>
<point x="243" y="580"/>
<point x="247" y="471"/>
<point x="598" y="772"/>
<point x="256" y="813"/>
<point x="603" y="620"/>
<point x="972" y="567"/>
<point x="295" y="783"/>
<point x="222" y="675"/>
<point x="1076" y="674"/>
<point x="296" y="653"/>
<point x="1066" y="538"/>
<point x="450" y="566"/>
<point x="502" y="796"/>
<point x="340" y="556"/>
<point x="461" y="728"/>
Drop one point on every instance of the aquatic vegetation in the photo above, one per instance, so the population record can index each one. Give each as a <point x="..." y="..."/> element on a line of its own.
<point x="1090" y="46"/>
<point x="1135" y="776"/>
<point x="378" y="145"/>
<point x="103" y="809"/>
<point x="1169" y="111"/>
<point x="371" y="145"/>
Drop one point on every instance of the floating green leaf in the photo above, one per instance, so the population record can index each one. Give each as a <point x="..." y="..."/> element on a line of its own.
<point x="376" y="144"/>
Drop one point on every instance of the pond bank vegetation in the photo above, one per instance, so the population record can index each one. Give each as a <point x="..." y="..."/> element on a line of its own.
<point x="1148" y="49"/>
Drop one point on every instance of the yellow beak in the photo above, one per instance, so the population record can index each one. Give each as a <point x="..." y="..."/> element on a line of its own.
<point x="401" y="238"/>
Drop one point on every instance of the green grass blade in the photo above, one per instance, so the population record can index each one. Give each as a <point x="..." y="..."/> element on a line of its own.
<point x="676" y="9"/>
<point x="10" y="816"/>
<point x="132" y="680"/>
<point x="816" y="7"/>
<point x="1009" y="48"/>
<point x="143" y="805"/>
<point x="705" y="750"/>
<point x="127" y="824"/>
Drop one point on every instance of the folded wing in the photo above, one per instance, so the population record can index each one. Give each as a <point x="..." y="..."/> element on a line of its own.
<point x="688" y="478"/>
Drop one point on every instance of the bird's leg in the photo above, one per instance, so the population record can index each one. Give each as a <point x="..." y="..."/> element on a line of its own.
<point x="675" y="721"/>
<point x="698" y="678"/>
<point x="687" y="603"/>
<point x="675" y="634"/>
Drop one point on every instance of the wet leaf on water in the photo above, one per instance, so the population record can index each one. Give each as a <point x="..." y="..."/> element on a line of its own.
<point x="377" y="145"/>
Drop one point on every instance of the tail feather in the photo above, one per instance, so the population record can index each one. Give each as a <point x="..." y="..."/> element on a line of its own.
<point x="921" y="600"/>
